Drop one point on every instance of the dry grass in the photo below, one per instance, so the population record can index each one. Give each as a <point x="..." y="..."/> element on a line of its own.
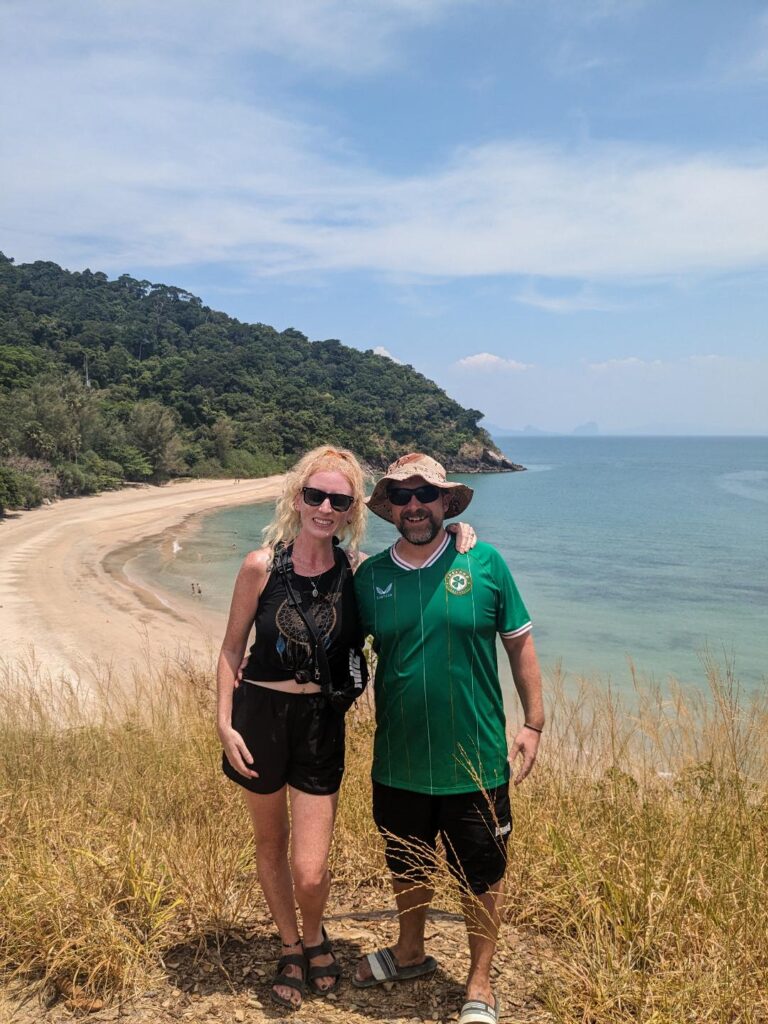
<point x="640" y="845"/>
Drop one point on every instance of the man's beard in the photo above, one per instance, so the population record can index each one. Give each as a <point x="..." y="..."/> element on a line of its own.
<point x="421" y="532"/>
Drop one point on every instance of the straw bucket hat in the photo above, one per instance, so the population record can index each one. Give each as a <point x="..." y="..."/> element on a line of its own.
<point x="416" y="464"/>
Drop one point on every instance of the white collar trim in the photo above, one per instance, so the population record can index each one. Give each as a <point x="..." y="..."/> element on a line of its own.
<point x="398" y="560"/>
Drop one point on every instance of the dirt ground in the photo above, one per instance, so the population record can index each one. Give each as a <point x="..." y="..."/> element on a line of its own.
<point x="228" y="982"/>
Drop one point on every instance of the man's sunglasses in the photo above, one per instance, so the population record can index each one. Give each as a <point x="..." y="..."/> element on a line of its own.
<point x="425" y="494"/>
<point x="315" y="497"/>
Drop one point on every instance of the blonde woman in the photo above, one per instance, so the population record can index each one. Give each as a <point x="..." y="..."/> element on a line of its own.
<point x="283" y="739"/>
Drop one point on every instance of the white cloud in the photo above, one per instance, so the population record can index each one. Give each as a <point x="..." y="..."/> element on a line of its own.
<point x="381" y="351"/>
<point x="488" y="362"/>
<point x="131" y="142"/>
<point x="351" y="38"/>
<point x="581" y="301"/>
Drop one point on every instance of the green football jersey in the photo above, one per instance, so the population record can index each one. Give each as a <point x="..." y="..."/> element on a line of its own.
<point x="440" y="724"/>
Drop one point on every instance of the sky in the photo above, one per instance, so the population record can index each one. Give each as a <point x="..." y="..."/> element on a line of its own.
<point x="556" y="209"/>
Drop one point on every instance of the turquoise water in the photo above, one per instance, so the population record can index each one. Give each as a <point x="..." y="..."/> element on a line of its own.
<point x="654" y="549"/>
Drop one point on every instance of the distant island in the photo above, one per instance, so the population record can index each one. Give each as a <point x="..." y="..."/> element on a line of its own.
<point x="590" y="429"/>
<point x="107" y="382"/>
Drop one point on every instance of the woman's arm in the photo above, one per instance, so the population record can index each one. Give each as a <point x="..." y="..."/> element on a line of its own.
<point x="245" y="599"/>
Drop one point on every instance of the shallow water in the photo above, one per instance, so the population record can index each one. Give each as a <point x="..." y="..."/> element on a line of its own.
<point x="654" y="549"/>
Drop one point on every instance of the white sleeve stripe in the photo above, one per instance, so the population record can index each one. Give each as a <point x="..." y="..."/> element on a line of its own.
<point x="517" y="632"/>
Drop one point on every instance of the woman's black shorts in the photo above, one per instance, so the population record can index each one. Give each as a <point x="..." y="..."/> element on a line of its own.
<point x="293" y="738"/>
<point x="474" y="828"/>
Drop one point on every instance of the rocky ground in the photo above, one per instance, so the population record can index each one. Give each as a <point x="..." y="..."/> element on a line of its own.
<point x="228" y="982"/>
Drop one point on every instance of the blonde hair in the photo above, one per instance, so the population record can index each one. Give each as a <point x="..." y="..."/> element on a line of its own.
<point x="287" y="522"/>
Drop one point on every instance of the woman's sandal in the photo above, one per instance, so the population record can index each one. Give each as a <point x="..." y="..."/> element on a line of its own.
<point x="331" y="970"/>
<point x="288" y="981"/>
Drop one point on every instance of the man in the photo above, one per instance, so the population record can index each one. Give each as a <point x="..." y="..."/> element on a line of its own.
<point x="440" y="762"/>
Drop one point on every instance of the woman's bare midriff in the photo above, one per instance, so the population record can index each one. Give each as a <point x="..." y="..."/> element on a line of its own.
<point x="286" y="686"/>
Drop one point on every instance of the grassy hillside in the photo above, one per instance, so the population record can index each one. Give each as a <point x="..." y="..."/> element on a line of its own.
<point x="103" y="382"/>
<point x="639" y="856"/>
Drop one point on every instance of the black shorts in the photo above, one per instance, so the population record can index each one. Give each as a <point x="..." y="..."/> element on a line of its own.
<point x="293" y="738"/>
<point x="474" y="828"/>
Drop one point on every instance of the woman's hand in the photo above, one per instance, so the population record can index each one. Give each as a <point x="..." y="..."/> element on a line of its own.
<point x="466" y="538"/>
<point x="238" y="755"/>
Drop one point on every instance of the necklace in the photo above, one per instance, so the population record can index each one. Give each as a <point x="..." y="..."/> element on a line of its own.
<point x="298" y="563"/>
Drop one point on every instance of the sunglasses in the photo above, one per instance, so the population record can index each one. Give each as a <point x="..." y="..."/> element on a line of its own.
<point x="425" y="494"/>
<point x="315" y="497"/>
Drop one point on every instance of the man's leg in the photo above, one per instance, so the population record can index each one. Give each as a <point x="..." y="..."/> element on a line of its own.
<point x="407" y="822"/>
<point x="413" y="900"/>
<point x="475" y="828"/>
<point x="481" y="916"/>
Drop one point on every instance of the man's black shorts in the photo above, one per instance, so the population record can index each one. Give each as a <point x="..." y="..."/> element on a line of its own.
<point x="474" y="828"/>
<point x="293" y="738"/>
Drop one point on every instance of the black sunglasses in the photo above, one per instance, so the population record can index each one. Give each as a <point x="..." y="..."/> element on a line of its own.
<point x="425" y="494"/>
<point x="339" y="502"/>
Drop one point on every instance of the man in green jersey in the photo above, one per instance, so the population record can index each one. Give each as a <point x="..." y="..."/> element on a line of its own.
<point x="441" y="764"/>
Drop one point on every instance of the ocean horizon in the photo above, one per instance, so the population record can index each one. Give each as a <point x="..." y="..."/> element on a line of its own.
<point x="644" y="553"/>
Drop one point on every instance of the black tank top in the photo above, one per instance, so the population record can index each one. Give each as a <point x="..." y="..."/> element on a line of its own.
<point x="282" y="644"/>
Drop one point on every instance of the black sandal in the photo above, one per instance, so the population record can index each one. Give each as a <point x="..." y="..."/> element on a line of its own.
<point x="287" y="980"/>
<point x="331" y="970"/>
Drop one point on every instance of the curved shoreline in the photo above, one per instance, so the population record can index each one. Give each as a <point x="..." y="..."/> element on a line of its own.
<point x="67" y="605"/>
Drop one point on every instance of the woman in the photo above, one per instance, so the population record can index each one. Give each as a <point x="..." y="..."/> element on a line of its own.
<point x="283" y="740"/>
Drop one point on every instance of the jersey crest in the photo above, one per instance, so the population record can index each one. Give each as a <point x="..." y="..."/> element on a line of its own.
<point x="458" y="582"/>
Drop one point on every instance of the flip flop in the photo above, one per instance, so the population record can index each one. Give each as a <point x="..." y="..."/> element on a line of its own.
<point x="475" y="1011"/>
<point x="331" y="970"/>
<point x="384" y="967"/>
<point x="294" y="960"/>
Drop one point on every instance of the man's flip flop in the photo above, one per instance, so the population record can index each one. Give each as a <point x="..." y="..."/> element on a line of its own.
<point x="475" y="1011"/>
<point x="384" y="967"/>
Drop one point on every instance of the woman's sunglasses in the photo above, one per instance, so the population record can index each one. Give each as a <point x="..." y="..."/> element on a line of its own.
<point x="315" y="497"/>
<point x="425" y="494"/>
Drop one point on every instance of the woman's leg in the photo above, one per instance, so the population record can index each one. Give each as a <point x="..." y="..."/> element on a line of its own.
<point x="312" y="819"/>
<point x="269" y="815"/>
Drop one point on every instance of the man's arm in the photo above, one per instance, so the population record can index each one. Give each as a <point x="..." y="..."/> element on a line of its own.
<point x="527" y="676"/>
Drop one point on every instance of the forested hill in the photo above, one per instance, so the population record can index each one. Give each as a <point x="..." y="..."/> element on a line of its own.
<point x="106" y="381"/>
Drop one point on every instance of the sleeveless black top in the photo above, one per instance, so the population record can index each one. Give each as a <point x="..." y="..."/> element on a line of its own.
<point x="282" y="644"/>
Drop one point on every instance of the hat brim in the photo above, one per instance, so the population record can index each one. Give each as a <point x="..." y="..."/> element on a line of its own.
<point x="460" y="497"/>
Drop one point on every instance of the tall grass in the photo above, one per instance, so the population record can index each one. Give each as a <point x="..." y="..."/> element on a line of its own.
<point x="640" y="847"/>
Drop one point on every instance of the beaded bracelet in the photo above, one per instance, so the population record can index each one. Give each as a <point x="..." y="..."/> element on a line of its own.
<point x="533" y="728"/>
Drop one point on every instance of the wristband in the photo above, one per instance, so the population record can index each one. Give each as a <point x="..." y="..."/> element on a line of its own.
<point x="533" y="728"/>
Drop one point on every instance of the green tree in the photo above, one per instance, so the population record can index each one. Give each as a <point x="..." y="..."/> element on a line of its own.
<point x="151" y="429"/>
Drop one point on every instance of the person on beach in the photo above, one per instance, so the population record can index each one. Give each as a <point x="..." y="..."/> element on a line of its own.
<point x="282" y="729"/>
<point x="441" y="762"/>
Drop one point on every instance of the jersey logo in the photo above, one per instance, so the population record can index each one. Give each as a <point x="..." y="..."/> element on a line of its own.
<point x="383" y="592"/>
<point x="458" y="582"/>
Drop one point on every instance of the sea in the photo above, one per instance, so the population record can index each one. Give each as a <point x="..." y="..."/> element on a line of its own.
<point x="638" y="558"/>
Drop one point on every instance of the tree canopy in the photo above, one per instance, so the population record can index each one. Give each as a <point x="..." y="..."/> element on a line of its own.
<point x="103" y="382"/>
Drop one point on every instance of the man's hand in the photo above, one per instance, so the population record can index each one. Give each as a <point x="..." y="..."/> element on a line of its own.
<point x="526" y="744"/>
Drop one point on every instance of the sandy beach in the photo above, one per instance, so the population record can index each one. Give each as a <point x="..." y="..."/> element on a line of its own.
<point x="65" y="603"/>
